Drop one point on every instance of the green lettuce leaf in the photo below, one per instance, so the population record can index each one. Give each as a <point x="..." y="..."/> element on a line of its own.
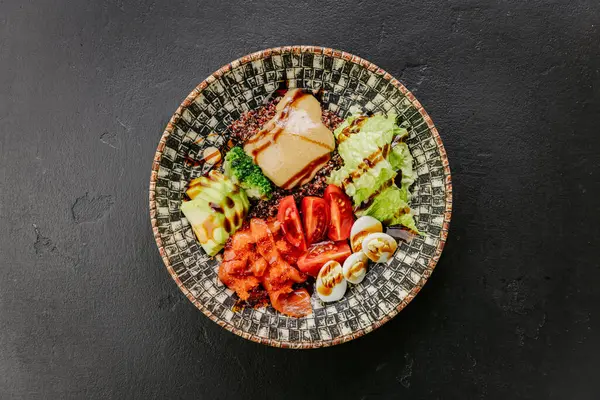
<point x="370" y="181"/>
<point x="391" y="208"/>
<point x="373" y="135"/>
<point x="401" y="160"/>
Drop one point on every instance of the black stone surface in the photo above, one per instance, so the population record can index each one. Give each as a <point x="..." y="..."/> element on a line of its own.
<point x="87" y="309"/>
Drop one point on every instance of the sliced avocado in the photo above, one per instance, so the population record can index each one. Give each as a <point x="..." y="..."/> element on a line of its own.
<point x="216" y="212"/>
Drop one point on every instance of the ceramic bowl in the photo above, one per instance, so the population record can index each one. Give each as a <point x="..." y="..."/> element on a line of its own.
<point x="201" y="121"/>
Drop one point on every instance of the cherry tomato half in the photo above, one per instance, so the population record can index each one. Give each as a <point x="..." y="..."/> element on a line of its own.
<point x="319" y="253"/>
<point x="341" y="214"/>
<point x="289" y="217"/>
<point x="315" y="217"/>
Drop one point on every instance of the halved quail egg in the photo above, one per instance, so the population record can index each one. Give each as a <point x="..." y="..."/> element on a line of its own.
<point x="361" y="228"/>
<point x="379" y="247"/>
<point x="330" y="283"/>
<point x="355" y="267"/>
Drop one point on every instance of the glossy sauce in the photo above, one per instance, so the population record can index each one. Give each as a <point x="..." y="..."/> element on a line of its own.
<point x="216" y="207"/>
<point x="375" y="254"/>
<point x="360" y="236"/>
<point x="237" y="219"/>
<point x="329" y="279"/>
<point x="306" y="171"/>
<point x="356" y="269"/>
<point x="208" y="228"/>
<point x="373" y="159"/>
<point x="367" y="203"/>
<point x="352" y="128"/>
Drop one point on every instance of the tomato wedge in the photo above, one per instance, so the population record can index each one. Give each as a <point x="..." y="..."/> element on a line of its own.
<point x="340" y="211"/>
<point x="319" y="253"/>
<point x="289" y="218"/>
<point x="315" y="217"/>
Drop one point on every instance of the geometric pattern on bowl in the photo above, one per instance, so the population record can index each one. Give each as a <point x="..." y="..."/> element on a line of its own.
<point x="201" y="121"/>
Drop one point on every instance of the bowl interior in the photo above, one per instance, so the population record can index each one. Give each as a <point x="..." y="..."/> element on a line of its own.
<point x="349" y="84"/>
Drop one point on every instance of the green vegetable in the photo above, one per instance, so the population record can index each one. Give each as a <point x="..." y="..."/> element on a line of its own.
<point x="375" y="133"/>
<point x="217" y="209"/>
<point x="378" y="129"/>
<point x="240" y="168"/>
<point x="368" y="183"/>
<point x="367" y="177"/>
<point x="401" y="159"/>
<point x="391" y="208"/>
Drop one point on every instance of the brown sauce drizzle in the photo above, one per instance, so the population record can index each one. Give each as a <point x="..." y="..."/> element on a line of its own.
<point x="352" y="128"/>
<point x="316" y="142"/>
<point x="356" y="268"/>
<point x="378" y="156"/>
<point x="190" y="162"/>
<point x="307" y="170"/>
<point x="229" y="202"/>
<point x="358" y="239"/>
<point x="256" y="152"/>
<point x="367" y="203"/>
<point x="216" y="207"/>
<point x="237" y="219"/>
<point x="328" y="279"/>
<point x="386" y="150"/>
<point x="227" y="225"/>
<point x="209" y="227"/>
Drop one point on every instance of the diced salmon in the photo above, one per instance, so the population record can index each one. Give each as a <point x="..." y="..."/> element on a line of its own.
<point x="295" y="303"/>
<point x="244" y="285"/>
<point x="281" y="275"/>
<point x="275" y="227"/>
<point x="242" y="240"/>
<point x="265" y="244"/>
<point x="235" y="270"/>
<point x="229" y="254"/>
<point x="233" y="267"/>
<point x="255" y="256"/>
<point x="233" y="275"/>
<point x="259" y="265"/>
<point x="289" y="253"/>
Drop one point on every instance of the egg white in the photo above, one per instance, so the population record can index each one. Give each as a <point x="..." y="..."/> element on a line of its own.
<point x="358" y="276"/>
<point x="379" y="256"/>
<point x="331" y="271"/>
<point x="361" y="226"/>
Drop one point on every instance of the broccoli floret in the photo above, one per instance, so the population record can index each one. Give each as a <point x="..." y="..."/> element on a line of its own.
<point x="239" y="167"/>
<point x="257" y="185"/>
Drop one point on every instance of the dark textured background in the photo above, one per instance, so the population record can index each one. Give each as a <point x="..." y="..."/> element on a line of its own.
<point x="87" y="309"/>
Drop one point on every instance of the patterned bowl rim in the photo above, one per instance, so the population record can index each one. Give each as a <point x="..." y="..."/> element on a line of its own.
<point x="298" y="49"/>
